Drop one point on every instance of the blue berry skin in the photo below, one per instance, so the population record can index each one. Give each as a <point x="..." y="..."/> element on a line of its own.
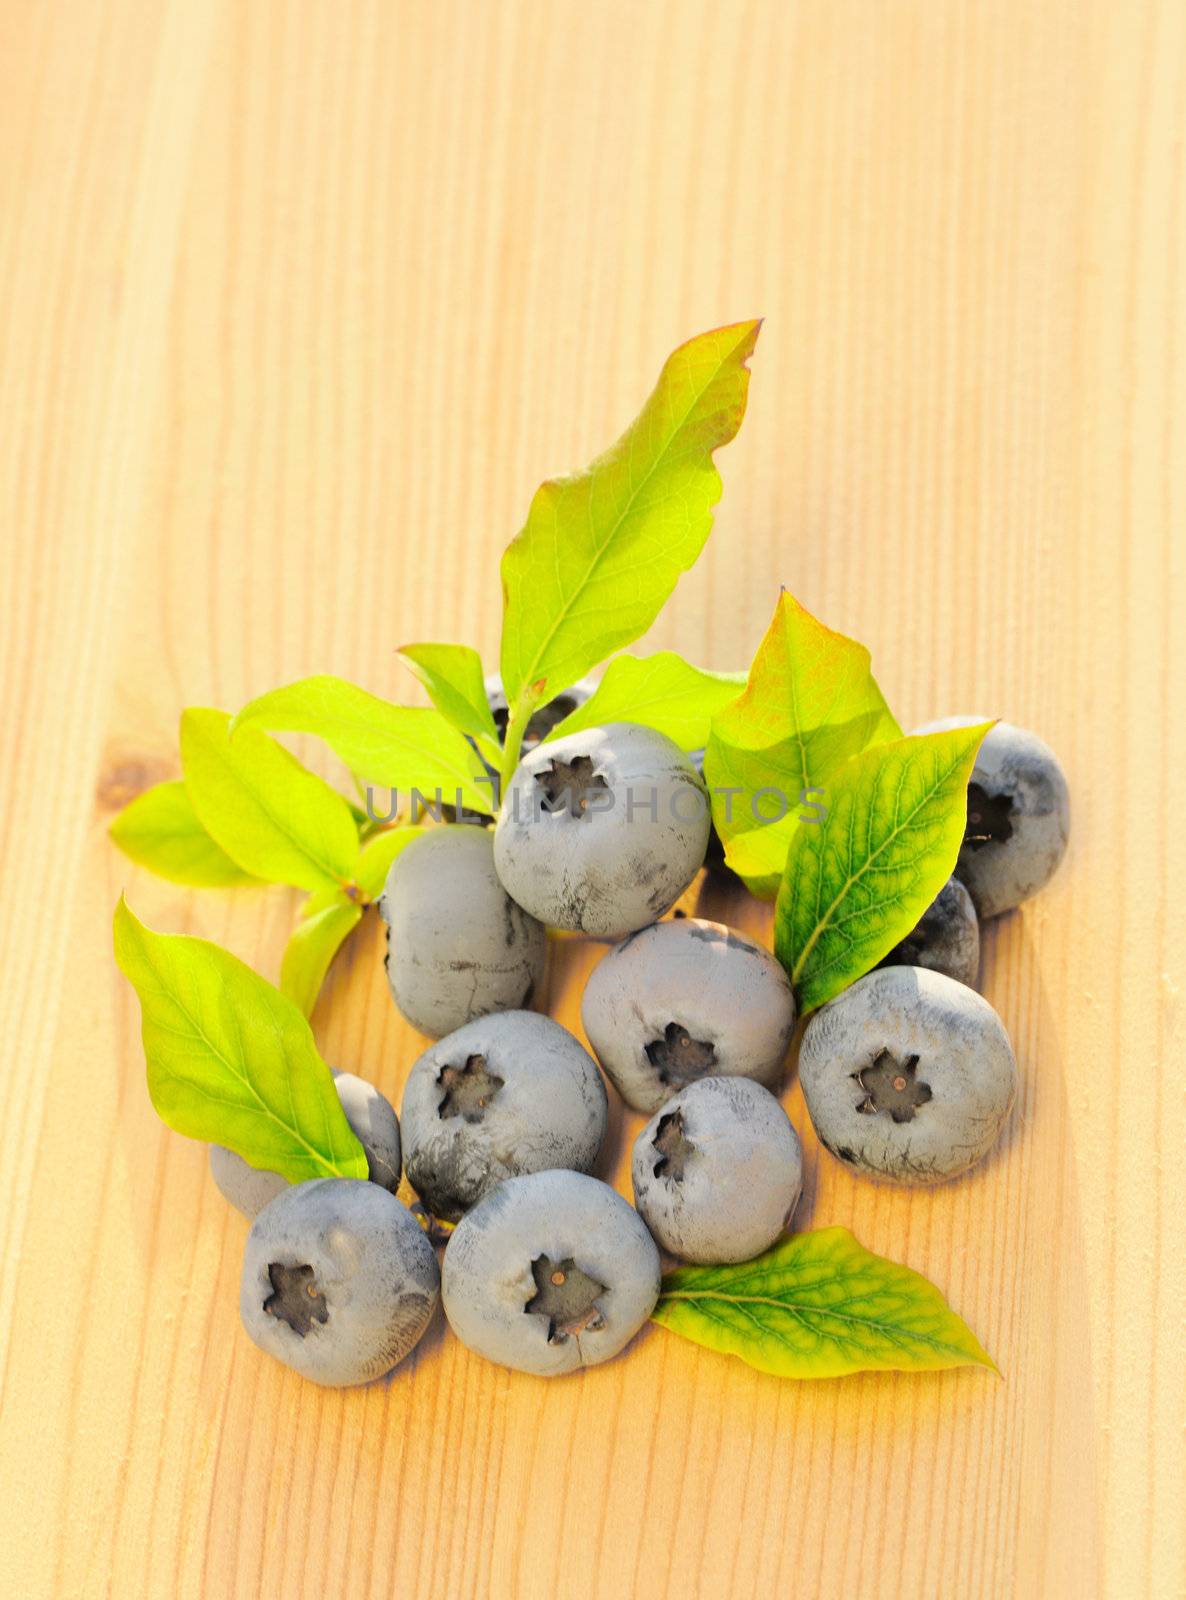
<point x="458" y="947"/>
<point x="505" y="1095"/>
<point x="718" y="1172"/>
<point x="339" y="1281"/>
<point x="550" y="1273"/>
<point x="946" y="937"/>
<point x="683" y="1000"/>
<point x="1019" y="817"/>
<point x="602" y="830"/>
<point x="908" y="1075"/>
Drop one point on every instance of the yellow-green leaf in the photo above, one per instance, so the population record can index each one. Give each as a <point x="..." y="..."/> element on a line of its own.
<point x="160" y="830"/>
<point x="278" y="820"/>
<point x="809" y="705"/>
<point x="661" y="691"/>
<point x="456" y="684"/>
<point x="857" y="883"/>
<point x="404" y="747"/>
<point x="819" y="1305"/>
<point x="329" y="916"/>
<point x="231" y="1060"/>
<point x="314" y="943"/>
<point x="603" y="549"/>
<point x="378" y="854"/>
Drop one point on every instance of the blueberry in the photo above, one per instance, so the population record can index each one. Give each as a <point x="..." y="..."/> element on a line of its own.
<point x="907" y="1075"/>
<point x="458" y="946"/>
<point x="602" y="831"/>
<point x="370" y="1115"/>
<point x="539" y="725"/>
<point x="551" y="1272"/>
<point x="686" y="1000"/>
<point x="505" y="1095"/>
<point x="544" y="718"/>
<point x="1019" y="816"/>
<point x="339" y="1280"/>
<point x="718" y="1171"/>
<point x="946" y="937"/>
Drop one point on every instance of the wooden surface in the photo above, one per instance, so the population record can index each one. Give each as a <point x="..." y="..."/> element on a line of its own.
<point x="298" y="303"/>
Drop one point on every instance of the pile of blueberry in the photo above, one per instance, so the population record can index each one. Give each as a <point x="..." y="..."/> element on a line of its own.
<point x="908" y="1075"/>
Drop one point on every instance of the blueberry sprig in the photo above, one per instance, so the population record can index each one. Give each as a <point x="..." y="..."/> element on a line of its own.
<point x="801" y="780"/>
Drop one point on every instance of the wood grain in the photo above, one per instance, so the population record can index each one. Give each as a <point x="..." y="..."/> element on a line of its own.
<point x="298" y="304"/>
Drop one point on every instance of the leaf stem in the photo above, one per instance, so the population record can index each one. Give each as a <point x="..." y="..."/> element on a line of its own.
<point x="520" y="715"/>
<point x="510" y="753"/>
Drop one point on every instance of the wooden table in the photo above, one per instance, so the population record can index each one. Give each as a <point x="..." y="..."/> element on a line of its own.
<point x="299" y="303"/>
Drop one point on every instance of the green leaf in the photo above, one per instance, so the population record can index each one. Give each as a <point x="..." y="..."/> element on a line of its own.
<point x="661" y="691"/>
<point x="231" y="1060"/>
<point x="268" y="812"/>
<point x="404" y="747"/>
<point x="160" y="830"/>
<point x="810" y="704"/>
<point x="819" y="1305"/>
<point x="452" y="674"/>
<point x="330" y="915"/>
<point x="602" y="549"/>
<point x="378" y="854"/>
<point x="858" y="882"/>
<point x="314" y="943"/>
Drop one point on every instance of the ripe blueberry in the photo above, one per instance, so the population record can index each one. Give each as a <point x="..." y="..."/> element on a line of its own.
<point x="550" y="1272"/>
<point x="685" y="1000"/>
<point x="339" y="1281"/>
<point x="718" y="1171"/>
<point x="601" y="831"/>
<point x="946" y="937"/>
<point x="1019" y="817"/>
<point x="907" y="1075"/>
<point x="458" y="947"/>
<point x="507" y="1094"/>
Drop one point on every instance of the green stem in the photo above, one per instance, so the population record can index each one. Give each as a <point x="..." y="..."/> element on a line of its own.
<point x="520" y="715"/>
